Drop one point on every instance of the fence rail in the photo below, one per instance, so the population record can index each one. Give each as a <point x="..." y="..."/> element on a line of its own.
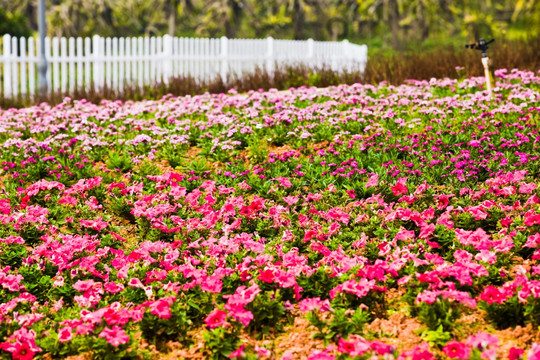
<point x="76" y="63"/>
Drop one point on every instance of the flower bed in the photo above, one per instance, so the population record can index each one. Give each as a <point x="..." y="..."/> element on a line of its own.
<point x="348" y="222"/>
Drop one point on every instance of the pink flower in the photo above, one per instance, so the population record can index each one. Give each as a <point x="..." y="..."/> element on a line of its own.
<point x="70" y="200"/>
<point x="420" y="352"/>
<point x="97" y="224"/>
<point x="533" y="241"/>
<point x="515" y="353"/>
<point x="24" y="346"/>
<point x="216" y="318"/>
<point x="534" y="352"/>
<point x="65" y="335"/>
<point x="115" y="315"/>
<point x="311" y="304"/>
<point x="285" y="182"/>
<point x="372" y="181"/>
<point x="244" y="185"/>
<point x="212" y="284"/>
<point x="135" y="282"/>
<point x="113" y="287"/>
<point x="320" y="355"/>
<point x="345" y="346"/>
<point x="161" y="308"/>
<point x="457" y="350"/>
<point x="527" y="188"/>
<point x="382" y="348"/>
<point x="240" y="314"/>
<point x="491" y="295"/>
<point x="85" y="285"/>
<point x="266" y="276"/>
<point x="5" y="207"/>
<point x="262" y="352"/>
<point x="115" y="336"/>
<point x="400" y="187"/>
<point x="238" y="352"/>
<point x="21" y="351"/>
<point x="291" y="200"/>
<point x="287" y="355"/>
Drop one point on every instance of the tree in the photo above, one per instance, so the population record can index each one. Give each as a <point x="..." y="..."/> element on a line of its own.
<point x="14" y="24"/>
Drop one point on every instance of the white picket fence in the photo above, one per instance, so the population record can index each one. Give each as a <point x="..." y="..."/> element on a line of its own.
<point x="76" y="63"/>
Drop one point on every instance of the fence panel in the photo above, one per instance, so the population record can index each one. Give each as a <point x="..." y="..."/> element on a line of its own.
<point x="32" y="61"/>
<point x="77" y="63"/>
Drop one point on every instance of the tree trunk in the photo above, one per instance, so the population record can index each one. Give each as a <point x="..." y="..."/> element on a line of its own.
<point x="392" y="18"/>
<point x="423" y="29"/>
<point x="299" y="21"/>
<point x="173" y="9"/>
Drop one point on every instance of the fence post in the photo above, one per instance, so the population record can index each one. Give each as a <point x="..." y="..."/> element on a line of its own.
<point x="345" y="46"/>
<point x="310" y="51"/>
<point x="224" y="63"/>
<point x="7" y="66"/>
<point x="14" y="67"/>
<point x="167" y="58"/>
<point x="269" y="55"/>
<point x="96" y="71"/>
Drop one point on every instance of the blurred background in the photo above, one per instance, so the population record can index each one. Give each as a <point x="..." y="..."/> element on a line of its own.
<point x="386" y="26"/>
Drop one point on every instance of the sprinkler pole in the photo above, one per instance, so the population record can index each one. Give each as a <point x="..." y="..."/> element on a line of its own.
<point x="485" y="62"/>
<point x="482" y="45"/>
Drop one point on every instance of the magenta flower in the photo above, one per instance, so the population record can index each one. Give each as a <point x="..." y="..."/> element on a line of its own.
<point x="161" y="308"/>
<point x="400" y="187"/>
<point x="216" y="319"/>
<point x="65" y="335"/>
<point x="457" y="350"/>
<point x="22" y="344"/>
<point x="515" y="353"/>
<point x="238" y="352"/>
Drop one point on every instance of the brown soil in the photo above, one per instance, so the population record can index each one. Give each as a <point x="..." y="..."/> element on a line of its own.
<point x="164" y="166"/>
<point x="193" y="152"/>
<point x="399" y="330"/>
<point x="177" y="351"/>
<point x="297" y="340"/>
<point x="85" y="356"/>
<point x="520" y="337"/>
<point x="279" y="150"/>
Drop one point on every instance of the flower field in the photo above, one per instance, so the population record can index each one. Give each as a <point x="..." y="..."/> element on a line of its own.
<point x="351" y="222"/>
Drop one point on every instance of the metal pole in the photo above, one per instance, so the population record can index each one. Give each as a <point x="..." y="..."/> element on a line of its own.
<point x="42" y="63"/>
<point x="485" y="63"/>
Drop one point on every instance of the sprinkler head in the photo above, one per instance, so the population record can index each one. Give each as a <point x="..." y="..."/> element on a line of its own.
<point x="481" y="45"/>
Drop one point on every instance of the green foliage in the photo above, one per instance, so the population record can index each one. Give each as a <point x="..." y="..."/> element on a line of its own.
<point x="175" y="328"/>
<point x="438" y="337"/>
<point x="121" y="208"/>
<point x="14" y="23"/>
<point x="510" y="313"/>
<point x="258" y="150"/>
<point x="119" y="162"/>
<point x="174" y="156"/>
<point x="220" y="342"/>
<point x="36" y="282"/>
<point x="342" y="323"/>
<point x="441" y="314"/>
<point x="12" y="255"/>
<point x="402" y="24"/>
<point x="268" y="313"/>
